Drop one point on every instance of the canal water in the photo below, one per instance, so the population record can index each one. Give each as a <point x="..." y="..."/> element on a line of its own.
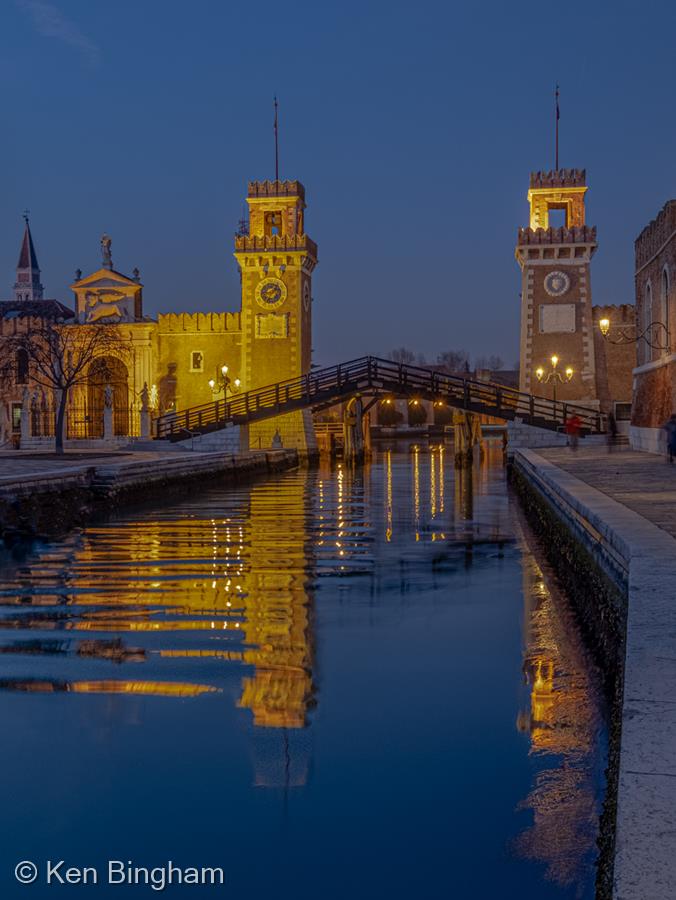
<point x="336" y="683"/>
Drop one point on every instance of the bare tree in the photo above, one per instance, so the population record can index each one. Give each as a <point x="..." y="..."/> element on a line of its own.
<point x="492" y="363"/>
<point x="402" y="355"/>
<point x="59" y="356"/>
<point x="453" y="360"/>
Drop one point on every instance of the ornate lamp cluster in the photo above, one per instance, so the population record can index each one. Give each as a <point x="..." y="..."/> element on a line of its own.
<point x="554" y="375"/>
<point x="222" y="383"/>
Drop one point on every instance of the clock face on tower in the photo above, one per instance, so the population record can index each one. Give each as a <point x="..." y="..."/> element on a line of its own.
<point x="557" y="284"/>
<point x="270" y="293"/>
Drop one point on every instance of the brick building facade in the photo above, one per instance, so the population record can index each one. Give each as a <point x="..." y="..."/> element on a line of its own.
<point x="655" y="372"/>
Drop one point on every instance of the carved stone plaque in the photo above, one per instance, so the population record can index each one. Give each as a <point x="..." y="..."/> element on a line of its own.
<point x="272" y="325"/>
<point x="557" y="318"/>
<point x="108" y="305"/>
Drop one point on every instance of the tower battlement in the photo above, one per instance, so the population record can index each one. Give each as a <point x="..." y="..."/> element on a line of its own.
<point x="657" y="233"/>
<point x="558" y="178"/>
<point x="620" y="314"/>
<point x="265" y="189"/>
<point x="249" y="243"/>
<point x="582" y="234"/>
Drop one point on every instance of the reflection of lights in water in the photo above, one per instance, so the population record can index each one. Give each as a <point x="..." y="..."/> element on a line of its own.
<point x="562" y="722"/>
<point x="321" y="516"/>
<point x="256" y="562"/>
<point x="341" y="489"/>
<point x="441" y="478"/>
<point x="108" y="686"/>
<point x="433" y="484"/>
<point x="416" y="490"/>
<point x="253" y="609"/>
<point x="388" y="470"/>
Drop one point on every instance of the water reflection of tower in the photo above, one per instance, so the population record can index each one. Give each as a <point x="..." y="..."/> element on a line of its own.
<point x="562" y="721"/>
<point x="278" y="631"/>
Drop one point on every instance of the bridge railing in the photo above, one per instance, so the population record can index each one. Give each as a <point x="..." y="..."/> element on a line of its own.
<point x="470" y="393"/>
<point x="372" y="373"/>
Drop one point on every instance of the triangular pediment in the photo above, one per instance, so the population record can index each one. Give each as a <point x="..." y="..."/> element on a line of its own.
<point x="105" y="278"/>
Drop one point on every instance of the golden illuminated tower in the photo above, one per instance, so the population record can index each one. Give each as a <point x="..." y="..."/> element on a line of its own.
<point x="276" y="260"/>
<point x="556" y="302"/>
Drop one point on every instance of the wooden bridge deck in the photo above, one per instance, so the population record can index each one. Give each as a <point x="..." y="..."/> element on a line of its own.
<point x="373" y="376"/>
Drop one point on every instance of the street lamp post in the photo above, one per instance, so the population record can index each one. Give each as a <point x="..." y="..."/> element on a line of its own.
<point x="656" y="335"/>
<point x="223" y="383"/>
<point x="554" y="375"/>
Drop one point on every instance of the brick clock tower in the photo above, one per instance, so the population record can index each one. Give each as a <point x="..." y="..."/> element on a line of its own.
<point x="276" y="260"/>
<point x="556" y="302"/>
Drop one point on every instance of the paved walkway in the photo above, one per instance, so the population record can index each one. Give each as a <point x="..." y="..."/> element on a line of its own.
<point x="644" y="482"/>
<point x="21" y="464"/>
<point x="17" y="466"/>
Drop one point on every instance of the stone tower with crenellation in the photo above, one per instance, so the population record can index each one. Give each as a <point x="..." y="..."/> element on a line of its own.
<point x="276" y="260"/>
<point x="556" y="298"/>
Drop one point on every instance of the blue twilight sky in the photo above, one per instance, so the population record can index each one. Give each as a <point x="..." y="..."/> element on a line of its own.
<point x="412" y="125"/>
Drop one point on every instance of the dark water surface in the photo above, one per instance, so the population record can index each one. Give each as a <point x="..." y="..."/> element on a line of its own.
<point x="336" y="683"/>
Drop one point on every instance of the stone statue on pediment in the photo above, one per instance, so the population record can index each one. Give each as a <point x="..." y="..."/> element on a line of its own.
<point x="106" y="252"/>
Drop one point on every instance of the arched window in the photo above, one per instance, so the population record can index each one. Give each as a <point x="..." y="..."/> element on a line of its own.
<point x="664" y="315"/>
<point x="644" y="349"/>
<point x="22" y="366"/>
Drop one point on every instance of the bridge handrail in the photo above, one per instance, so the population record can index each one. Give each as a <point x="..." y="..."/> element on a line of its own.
<point x="370" y="372"/>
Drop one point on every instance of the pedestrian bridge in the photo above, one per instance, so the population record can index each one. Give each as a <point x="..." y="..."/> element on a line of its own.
<point x="372" y="377"/>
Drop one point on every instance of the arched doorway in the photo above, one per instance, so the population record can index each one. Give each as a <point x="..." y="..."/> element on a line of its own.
<point x="107" y="370"/>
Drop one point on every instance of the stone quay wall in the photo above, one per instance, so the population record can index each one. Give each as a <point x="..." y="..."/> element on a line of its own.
<point x="618" y="569"/>
<point x="50" y="502"/>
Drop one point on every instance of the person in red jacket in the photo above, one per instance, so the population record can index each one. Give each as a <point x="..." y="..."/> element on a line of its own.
<point x="573" y="426"/>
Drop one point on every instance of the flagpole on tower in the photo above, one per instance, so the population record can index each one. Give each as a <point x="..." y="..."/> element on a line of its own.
<point x="276" y="143"/>
<point x="558" y="115"/>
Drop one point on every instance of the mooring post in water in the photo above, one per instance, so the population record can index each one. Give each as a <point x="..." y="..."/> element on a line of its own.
<point x="466" y="435"/>
<point x="353" y="431"/>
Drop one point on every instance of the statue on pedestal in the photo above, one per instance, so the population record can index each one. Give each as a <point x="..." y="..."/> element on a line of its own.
<point x="145" y="396"/>
<point x="105" y="252"/>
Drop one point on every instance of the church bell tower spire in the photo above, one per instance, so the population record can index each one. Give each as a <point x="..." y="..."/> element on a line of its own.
<point x="27" y="287"/>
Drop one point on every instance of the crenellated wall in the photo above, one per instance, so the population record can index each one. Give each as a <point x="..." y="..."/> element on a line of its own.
<point x="656" y="234"/>
<point x="199" y="322"/>
<point x="216" y="337"/>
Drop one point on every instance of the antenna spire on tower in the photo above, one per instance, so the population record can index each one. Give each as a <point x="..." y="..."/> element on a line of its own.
<point x="558" y="116"/>
<point x="276" y="142"/>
